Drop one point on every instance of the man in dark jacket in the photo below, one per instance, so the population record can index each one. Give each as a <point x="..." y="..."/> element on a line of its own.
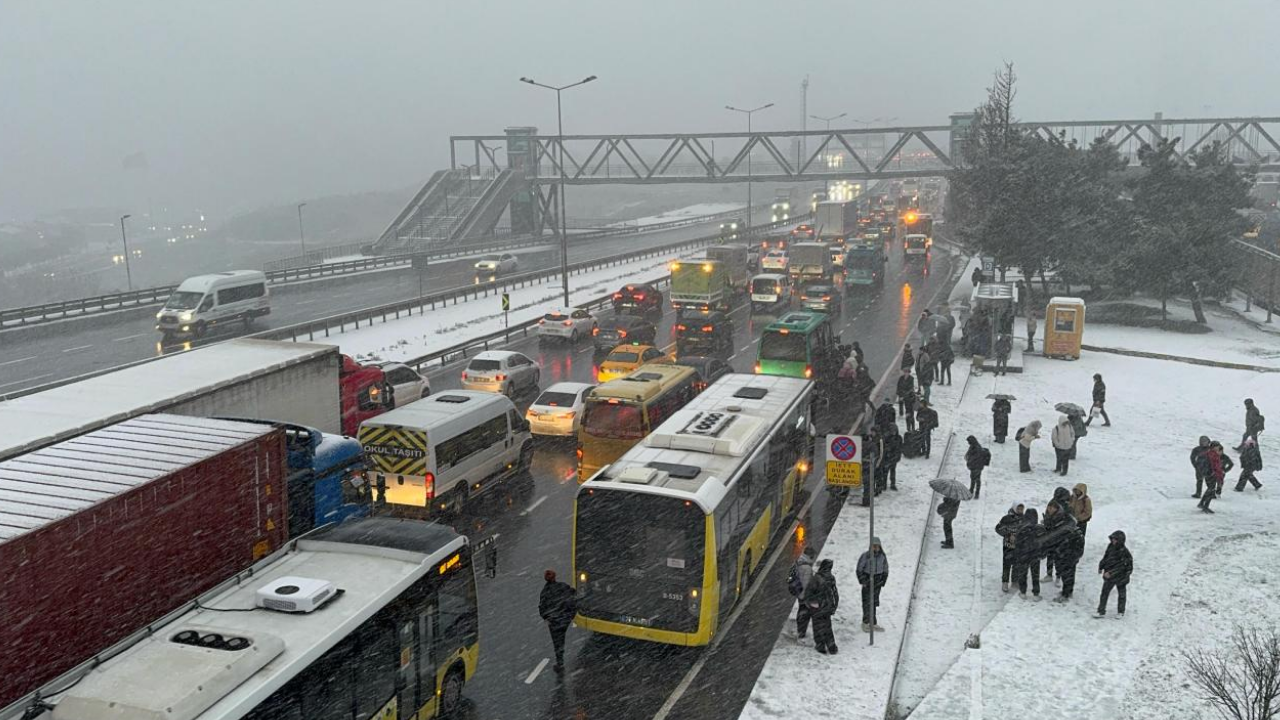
<point x="910" y="404"/>
<point x="1066" y="556"/>
<point x="906" y="386"/>
<point x="1007" y="529"/>
<point x="1057" y="523"/>
<point x="946" y="357"/>
<point x="1000" y="410"/>
<point x="908" y="359"/>
<point x="1004" y="346"/>
<point x="1250" y="463"/>
<point x="1115" y="567"/>
<point x="925" y="366"/>
<point x="863" y="387"/>
<point x="823" y="598"/>
<point x="1099" y="400"/>
<point x="797" y="582"/>
<point x="976" y="459"/>
<point x="885" y="415"/>
<point x="1026" y="553"/>
<point x="873" y="573"/>
<point x="892" y="455"/>
<point x="1200" y="463"/>
<point x="948" y="509"/>
<point x="927" y="420"/>
<point x="557" y="605"/>
<point x="1254" y="423"/>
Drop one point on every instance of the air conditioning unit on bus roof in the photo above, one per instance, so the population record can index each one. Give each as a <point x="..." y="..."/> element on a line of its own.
<point x="295" y="594"/>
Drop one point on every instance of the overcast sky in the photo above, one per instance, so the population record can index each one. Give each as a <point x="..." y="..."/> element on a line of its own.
<point x="239" y="104"/>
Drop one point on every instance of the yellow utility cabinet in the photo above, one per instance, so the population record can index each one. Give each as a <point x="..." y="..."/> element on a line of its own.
<point x="1064" y="327"/>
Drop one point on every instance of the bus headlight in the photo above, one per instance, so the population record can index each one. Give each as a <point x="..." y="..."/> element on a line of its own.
<point x="582" y="577"/>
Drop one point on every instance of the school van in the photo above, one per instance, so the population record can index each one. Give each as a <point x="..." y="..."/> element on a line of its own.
<point x="435" y="454"/>
<point x="204" y="302"/>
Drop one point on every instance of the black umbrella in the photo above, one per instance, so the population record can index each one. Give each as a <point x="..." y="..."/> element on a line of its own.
<point x="1001" y="396"/>
<point x="1069" y="409"/>
<point x="949" y="488"/>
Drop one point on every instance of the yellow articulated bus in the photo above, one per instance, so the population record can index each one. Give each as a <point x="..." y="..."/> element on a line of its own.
<point x="667" y="538"/>
<point x="369" y="619"/>
<point x="617" y="414"/>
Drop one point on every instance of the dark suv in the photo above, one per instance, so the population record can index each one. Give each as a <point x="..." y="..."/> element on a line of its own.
<point x="638" y="299"/>
<point x="703" y="332"/>
<point x="623" y="330"/>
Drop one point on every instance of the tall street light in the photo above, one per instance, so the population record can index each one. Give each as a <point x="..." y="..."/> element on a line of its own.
<point x="564" y="228"/>
<point x="828" y="120"/>
<point x="302" y="237"/>
<point x="125" y="239"/>
<point x="748" y="113"/>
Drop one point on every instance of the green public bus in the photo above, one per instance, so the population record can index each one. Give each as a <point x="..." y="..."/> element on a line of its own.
<point x="800" y="344"/>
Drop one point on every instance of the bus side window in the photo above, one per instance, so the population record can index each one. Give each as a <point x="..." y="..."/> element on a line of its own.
<point x="426" y="652"/>
<point x="376" y="669"/>
<point x="458" y="624"/>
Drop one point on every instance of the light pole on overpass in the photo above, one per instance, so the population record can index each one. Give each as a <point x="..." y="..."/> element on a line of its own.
<point x="124" y="237"/>
<point x="748" y="113"/>
<point x="564" y="228"/>
<point x="302" y="236"/>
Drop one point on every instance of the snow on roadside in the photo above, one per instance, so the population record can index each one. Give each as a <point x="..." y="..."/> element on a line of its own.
<point x="692" y="211"/>
<point x="1049" y="660"/>
<point x="410" y="337"/>
<point x="1231" y="338"/>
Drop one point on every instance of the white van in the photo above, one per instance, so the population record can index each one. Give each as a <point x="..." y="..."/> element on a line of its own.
<point x="206" y="301"/>
<point x="439" y="451"/>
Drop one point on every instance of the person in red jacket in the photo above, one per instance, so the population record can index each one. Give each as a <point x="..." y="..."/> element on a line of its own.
<point x="1218" y="464"/>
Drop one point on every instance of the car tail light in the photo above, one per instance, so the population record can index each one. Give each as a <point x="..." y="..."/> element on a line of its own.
<point x="639" y="296"/>
<point x="464" y="375"/>
<point x="429" y="485"/>
<point x="500" y="377"/>
<point x="707" y="328"/>
<point x="758" y="368"/>
<point x="808" y="371"/>
<point x="682" y="327"/>
<point x="569" y="415"/>
<point x="595" y="331"/>
<point x="622" y="333"/>
<point x="826" y="297"/>
<point x="567" y="323"/>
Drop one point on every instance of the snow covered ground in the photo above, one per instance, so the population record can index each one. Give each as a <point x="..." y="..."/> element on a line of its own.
<point x="1196" y="575"/>
<point x="1232" y="338"/>
<point x="410" y="337"/>
<point x="692" y="211"/>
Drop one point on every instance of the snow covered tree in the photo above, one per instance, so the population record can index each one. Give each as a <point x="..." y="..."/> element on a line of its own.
<point x="1242" y="682"/>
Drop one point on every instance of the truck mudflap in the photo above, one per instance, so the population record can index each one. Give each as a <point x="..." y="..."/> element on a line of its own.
<point x="395" y="450"/>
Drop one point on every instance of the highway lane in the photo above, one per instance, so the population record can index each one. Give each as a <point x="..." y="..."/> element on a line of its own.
<point x="610" y="678"/>
<point x="29" y="362"/>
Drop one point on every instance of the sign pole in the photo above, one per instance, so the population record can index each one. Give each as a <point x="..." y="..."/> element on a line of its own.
<point x="871" y="629"/>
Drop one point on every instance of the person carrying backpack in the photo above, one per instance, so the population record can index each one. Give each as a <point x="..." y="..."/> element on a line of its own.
<point x="927" y="420"/>
<point x="1250" y="463"/>
<point x="797" y="581"/>
<point x="976" y="458"/>
<point x="823" y="598"/>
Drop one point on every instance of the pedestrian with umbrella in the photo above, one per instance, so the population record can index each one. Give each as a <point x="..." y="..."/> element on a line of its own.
<point x="1000" y="410"/>
<point x="1063" y="439"/>
<point x="952" y="493"/>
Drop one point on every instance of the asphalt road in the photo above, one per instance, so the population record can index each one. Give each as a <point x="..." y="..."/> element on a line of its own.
<point x="614" y="679"/>
<point x="30" y="362"/>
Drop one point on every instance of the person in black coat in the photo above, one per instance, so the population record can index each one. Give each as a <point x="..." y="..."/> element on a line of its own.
<point x="1200" y="463"/>
<point x="1115" y="567"/>
<point x="1058" y="521"/>
<point x="1000" y="410"/>
<point x="1004" y="346"/>
<point x="557" y="605"/>
<point x="892" y="455"/>
<point x="910" y="404"/>
<point x="1026" y="553"/>
<point x="1099" y="400"/>
<point x="946" y="356"/>
<point x="908" y="359"/>
<point x="1254" y="423"/>
<point x="856" y="349"/>
<point x="976" y="459"/>
<point x="1007" y="529"/>
<point x="927" y="420"/>
<point x="885" y="416"/>
<point x="1250" y="463"/>
<point x="872" y="572"/>
<point x="906" y="386"/>
<point x="864" y="386"/>
<point x="948" y="509"/>
<point x="823" y="598"/>
<point x="1066" y="556"/>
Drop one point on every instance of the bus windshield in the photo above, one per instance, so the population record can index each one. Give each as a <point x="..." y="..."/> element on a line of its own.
<point x="183" y="300"/>
<point x="647" y="541"/>
<point x="791" y="347"/>
<point x="613" y="421"/>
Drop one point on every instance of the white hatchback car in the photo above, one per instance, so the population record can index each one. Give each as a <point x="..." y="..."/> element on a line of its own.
<point x="406" y="383"/>
<point x="501" y="371"/>
<point x="571" y="325"/>
<point x="558" y="410"/>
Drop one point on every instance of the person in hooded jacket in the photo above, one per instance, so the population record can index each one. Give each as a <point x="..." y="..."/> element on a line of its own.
<point x="1099" y="401"/>
<point x="802" y="571"/>
<point x="1081" y="506"/>
<point x="1004" y="346"/>
<point x="557" y="605"/>
<point x="873" y="573"/>
<point x="823" y="598"/>
<point x="1250" y="463"/>
<point x="864" y="386"/>
<point x="1066" y="557"/>
<point x="976" y="459"/>
<point x="1115" y="567"/>
<point x="1063" y="438"/>
<point x="946" y="358"/>
<point x="885" y="416"/>
<point x="1000" y="410"/>
<point x="892" y="455"/>
<point x="948" y="509"/>
<point x="1219" y="464"/>
<point x="1254" y="423"/>
<point x="910" y="404"/>
<point x="906" y="386"/>
<point x="908" y="359"/>
<point x="927" y="420"/>
<point x="1026" y="553"/>
<point x="1026" y="435"/>
<point x="1007" y="529"/>
<point x="1200" y="463"/>
<point x="1057" y="522"/>
<point x="924" y="374"/>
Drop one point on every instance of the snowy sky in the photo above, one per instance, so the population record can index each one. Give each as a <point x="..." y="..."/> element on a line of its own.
<point x="241" y="103"/>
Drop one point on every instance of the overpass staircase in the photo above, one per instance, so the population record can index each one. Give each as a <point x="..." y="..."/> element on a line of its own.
<point x="453" y="206"/>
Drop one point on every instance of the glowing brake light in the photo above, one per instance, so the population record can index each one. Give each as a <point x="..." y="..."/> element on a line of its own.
<point x="617" y="296"/>
<point x="595" y="331"/>
<point x="639" y="296"/>
<point x="567" y="323"/>
<point x="429" y="485"/>
<point x="464" y="375"/>
<point x="500" y="377"/>
<point x="826" y="297"/>
<point x="682" y="327"/>
<point x="785" y="331"/>
<point x="808" y="371"/>
<point x="707" y="328"/>
<point x="622" y="333"/>
<point x="757" y="368"/>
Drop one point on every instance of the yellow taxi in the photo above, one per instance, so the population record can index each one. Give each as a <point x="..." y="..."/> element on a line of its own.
<point x="624" y="359"/>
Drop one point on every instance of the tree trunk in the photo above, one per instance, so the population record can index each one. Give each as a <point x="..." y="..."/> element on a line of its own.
<point x="1164" y="309"/>
<point x="1044" y="283"/>
<point x="1196" y="305"/>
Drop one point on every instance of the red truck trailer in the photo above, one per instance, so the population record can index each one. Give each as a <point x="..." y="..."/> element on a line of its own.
<point x="109" y="531"/>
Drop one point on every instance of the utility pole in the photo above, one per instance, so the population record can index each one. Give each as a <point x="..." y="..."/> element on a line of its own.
<point x="125" y="239"/>
<point x="749" y="113"/>
<point x="804" y="120"/>
<point x="302" y="236"/>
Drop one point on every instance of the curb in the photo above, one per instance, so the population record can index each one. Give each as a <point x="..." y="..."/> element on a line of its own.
<point x="1181" y="359"/>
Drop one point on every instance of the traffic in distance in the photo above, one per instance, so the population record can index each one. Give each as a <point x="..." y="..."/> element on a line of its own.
<point x="359" y="595"/>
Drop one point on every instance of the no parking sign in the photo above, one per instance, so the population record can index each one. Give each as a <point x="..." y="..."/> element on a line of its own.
<point x="844" y="460"/>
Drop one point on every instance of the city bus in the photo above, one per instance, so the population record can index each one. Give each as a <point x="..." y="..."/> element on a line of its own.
<point x="667" y="538"/>
<point x="617" y="414"/>
<point x="800" y="344"/>
<point x="370" y="618"/>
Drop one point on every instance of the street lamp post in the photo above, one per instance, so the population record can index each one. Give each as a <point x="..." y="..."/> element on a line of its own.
<point x="564" y="228"/>
<point x="828" y="120"/>
<point x="124" y="237"/>
<point x="302" y="236"/>
<point x="748" y="113"/>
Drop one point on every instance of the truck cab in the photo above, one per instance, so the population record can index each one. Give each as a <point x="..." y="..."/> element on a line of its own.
<point x="363" y="392"/>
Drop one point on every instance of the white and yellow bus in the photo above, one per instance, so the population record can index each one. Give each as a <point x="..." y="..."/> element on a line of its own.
<point x="618" y="413"/>
<point x="374" y="618"/>
<point x="667" y="538"/>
